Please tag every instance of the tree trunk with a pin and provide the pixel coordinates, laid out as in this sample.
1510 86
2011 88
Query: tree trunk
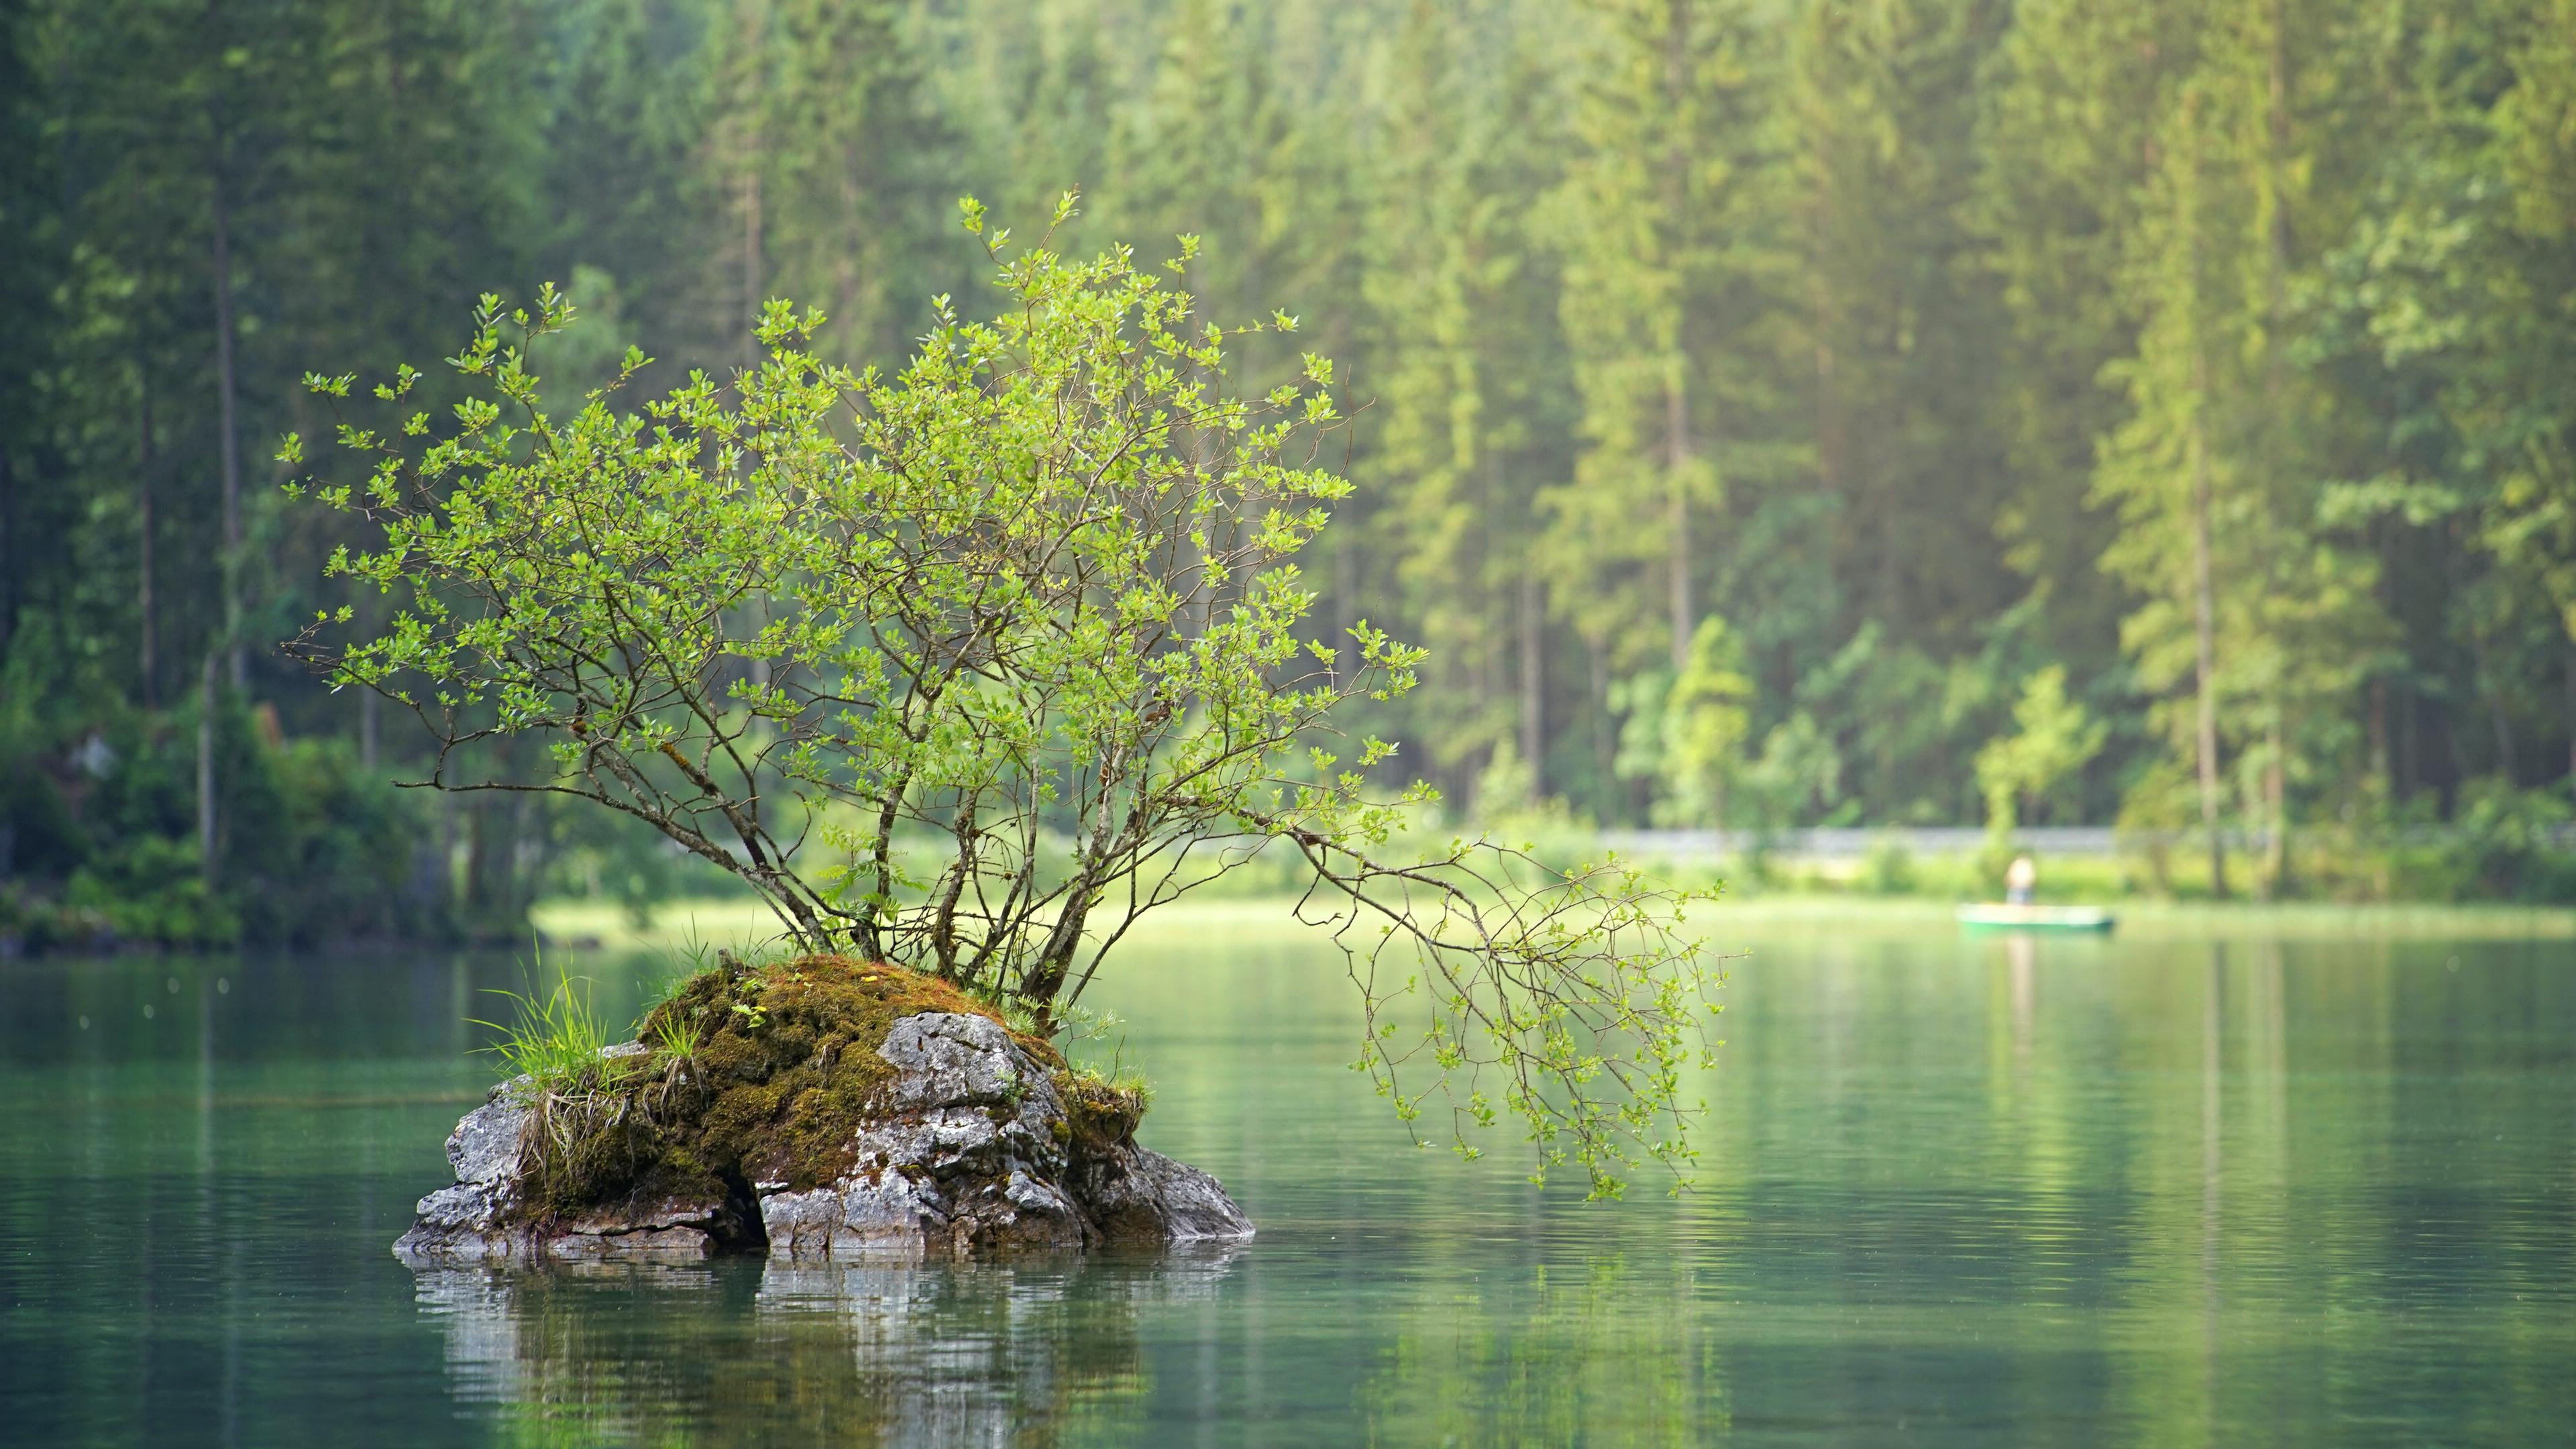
228 424
747 100
2204 592
1677 459
2383 764
8 550
447 835
2571 712
147 637
2491 694
1677 443
1534 683
2276 806
206 767
1346 584
2507 766
1829 443
498 883
487 849
1605 740
1046 975
2278 117
751 278
2205 633
2410 739
2276 321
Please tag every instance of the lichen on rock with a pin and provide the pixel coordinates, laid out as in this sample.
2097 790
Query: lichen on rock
824 1108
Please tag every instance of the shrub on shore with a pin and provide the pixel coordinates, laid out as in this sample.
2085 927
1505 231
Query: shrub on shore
100 844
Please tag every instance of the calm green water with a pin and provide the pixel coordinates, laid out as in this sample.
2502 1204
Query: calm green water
1955 1191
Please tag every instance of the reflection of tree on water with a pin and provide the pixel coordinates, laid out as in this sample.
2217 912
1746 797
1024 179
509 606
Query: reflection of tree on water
744 1353
1609 1354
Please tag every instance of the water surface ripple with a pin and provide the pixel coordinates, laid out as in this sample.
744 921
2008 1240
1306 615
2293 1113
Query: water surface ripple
1952 1191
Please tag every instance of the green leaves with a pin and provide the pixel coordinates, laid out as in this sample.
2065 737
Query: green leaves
1572 993
2054 739
975 599
966 665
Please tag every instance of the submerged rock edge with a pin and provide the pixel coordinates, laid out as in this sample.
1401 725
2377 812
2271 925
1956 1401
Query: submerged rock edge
971 1153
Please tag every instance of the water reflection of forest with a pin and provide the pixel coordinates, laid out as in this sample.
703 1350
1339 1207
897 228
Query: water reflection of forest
741 1353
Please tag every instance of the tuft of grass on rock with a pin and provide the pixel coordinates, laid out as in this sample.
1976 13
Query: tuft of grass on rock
553 1039
589 1106
1103 1110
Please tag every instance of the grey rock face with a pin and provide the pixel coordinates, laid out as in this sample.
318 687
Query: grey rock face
966 1158
973 1152
478 1220
949 1059
484 1148
470 1222
1138 1193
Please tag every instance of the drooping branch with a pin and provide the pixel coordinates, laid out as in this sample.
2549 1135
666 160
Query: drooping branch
1579 988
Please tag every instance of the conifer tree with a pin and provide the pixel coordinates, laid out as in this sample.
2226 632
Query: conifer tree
1671 282
1468 421
1901 323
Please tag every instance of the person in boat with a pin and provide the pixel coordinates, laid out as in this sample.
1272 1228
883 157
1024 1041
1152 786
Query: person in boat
2021 881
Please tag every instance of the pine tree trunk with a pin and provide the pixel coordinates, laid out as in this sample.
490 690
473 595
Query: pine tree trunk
206 766
1605 742
749 100
2383 764
1534 683
228 426
8 550
2410 740
147 638
2276 866
480 910
2278 117
2205 636
1346 583
1677 443
2571 712
751 278
1829 443
2204 592
2276 804
1677 459
2275 351
2499 723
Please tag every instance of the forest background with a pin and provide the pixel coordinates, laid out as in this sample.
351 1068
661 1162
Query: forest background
1778 412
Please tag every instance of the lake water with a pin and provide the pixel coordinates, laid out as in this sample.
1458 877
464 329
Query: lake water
1954 1190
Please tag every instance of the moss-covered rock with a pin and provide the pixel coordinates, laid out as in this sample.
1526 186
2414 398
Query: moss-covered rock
822 1107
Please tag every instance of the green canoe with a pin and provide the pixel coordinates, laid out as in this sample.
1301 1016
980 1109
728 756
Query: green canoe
2035 918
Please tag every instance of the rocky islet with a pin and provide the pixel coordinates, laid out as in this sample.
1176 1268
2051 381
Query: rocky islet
830 1111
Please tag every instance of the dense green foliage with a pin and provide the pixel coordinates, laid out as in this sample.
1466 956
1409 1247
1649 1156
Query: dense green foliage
1047 580
1754 401
313 848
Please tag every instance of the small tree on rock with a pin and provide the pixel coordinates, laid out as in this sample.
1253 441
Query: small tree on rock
969 665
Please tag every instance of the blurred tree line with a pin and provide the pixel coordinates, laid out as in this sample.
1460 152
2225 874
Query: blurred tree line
1780 411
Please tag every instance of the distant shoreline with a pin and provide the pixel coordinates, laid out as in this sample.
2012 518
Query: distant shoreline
578 924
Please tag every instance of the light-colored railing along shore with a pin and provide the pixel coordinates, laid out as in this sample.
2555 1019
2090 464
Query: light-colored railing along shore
1850 842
